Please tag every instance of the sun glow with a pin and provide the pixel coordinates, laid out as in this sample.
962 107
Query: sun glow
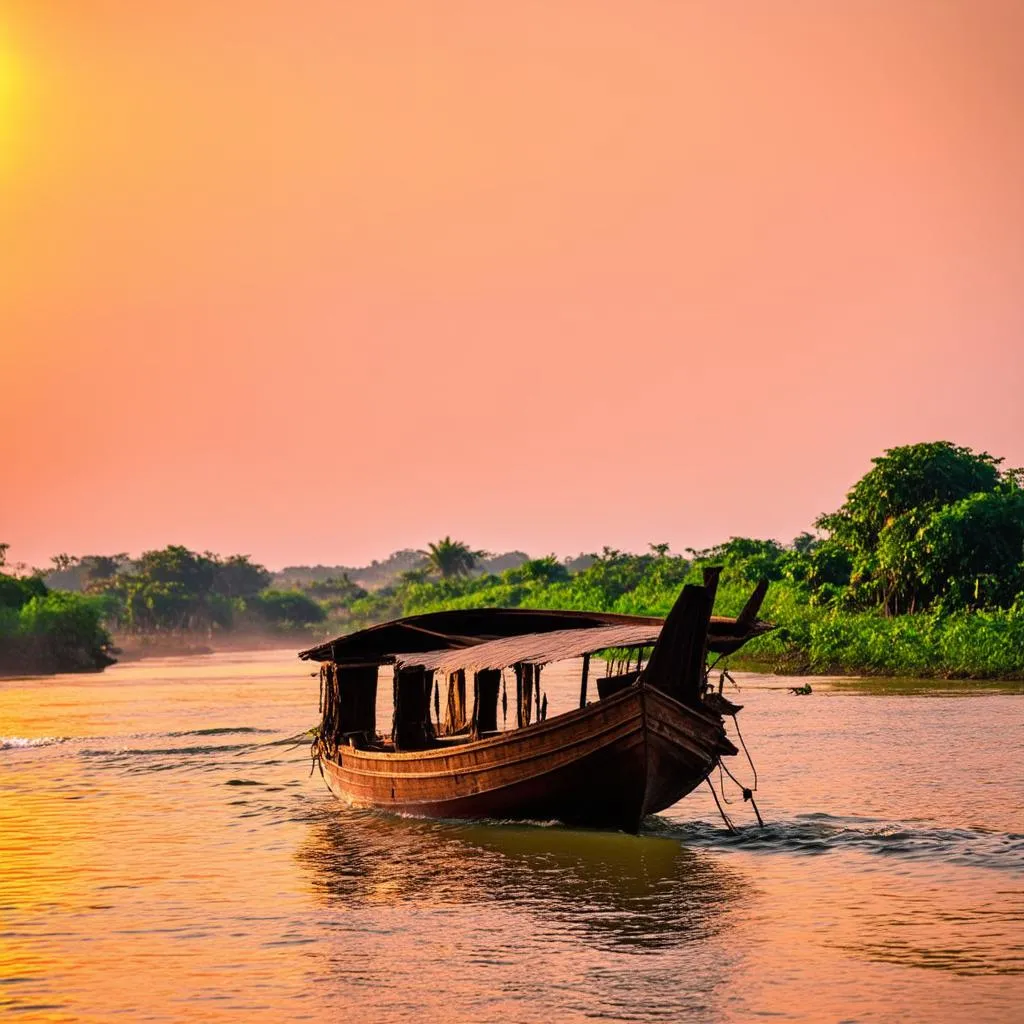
12 83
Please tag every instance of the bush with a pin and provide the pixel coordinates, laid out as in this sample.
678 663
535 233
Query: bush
286 608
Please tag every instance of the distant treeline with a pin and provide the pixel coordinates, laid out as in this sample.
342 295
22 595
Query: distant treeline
919 572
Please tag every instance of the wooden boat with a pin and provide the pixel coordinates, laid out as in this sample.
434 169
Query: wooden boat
653 734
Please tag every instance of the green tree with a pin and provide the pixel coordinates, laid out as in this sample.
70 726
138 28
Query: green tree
284 608
49 631
537 570
339 590
99 570
17 591
451 558
880 523
173 589
971 554
71 630
237 576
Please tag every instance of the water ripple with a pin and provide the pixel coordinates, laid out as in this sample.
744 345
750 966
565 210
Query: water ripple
823 833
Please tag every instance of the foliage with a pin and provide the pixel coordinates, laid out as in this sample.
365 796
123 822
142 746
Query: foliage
17 591
450 557
237 576
971 554
815 632
286 608
49 631
921 571
900 557
175 589
340 590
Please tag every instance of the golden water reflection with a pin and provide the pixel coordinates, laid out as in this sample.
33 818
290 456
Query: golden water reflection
616 891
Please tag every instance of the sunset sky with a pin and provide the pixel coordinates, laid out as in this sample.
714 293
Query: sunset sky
317 281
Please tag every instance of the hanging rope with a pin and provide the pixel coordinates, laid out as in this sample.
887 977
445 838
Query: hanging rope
743 744
504 702
721 810
747 791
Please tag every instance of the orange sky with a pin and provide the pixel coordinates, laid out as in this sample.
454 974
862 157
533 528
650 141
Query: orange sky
316 281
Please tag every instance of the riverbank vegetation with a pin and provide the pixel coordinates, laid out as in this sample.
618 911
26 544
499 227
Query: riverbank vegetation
43 630
919 572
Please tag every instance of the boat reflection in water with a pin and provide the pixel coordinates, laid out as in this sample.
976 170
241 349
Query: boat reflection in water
613 891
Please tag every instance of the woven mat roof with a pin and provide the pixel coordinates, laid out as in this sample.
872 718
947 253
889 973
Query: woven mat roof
531 648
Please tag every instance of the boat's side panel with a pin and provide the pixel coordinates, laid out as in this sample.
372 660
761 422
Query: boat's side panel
551 769
602 765
682 749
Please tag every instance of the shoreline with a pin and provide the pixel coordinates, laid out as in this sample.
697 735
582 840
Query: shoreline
133 649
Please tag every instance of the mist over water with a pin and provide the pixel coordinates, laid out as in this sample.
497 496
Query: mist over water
165 854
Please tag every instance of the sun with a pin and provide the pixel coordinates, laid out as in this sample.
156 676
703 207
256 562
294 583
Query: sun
12 81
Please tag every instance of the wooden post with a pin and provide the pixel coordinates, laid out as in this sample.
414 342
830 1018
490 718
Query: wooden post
583 681
527 694
519 695
474 721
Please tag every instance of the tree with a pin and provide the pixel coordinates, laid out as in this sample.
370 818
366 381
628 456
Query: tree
237 576
881 524
971 553
912 480
746 558
98 570
537 570
4 548
804 543
451 558
339 590
285 608
173 589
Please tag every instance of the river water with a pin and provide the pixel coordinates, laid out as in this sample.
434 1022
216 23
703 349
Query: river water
165 855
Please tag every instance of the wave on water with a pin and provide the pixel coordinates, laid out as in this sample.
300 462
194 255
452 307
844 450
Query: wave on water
825 833
226 730
22 743
123 752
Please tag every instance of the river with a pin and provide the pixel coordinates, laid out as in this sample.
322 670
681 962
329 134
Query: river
166 855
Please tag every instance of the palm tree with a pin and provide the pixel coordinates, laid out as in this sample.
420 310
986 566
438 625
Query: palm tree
451 558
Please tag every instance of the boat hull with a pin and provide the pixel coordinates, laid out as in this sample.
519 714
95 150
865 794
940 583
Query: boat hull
604 766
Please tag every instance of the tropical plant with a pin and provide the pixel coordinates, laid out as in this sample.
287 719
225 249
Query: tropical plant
449 557
49 631
283 608
887 513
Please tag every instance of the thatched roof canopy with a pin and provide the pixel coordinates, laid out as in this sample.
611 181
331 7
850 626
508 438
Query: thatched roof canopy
532 648
436 633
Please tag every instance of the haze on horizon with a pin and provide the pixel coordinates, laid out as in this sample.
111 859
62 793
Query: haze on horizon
316 284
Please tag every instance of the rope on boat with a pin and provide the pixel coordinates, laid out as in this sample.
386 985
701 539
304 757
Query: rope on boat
316 754
721 810
747 791
504 702
743 744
